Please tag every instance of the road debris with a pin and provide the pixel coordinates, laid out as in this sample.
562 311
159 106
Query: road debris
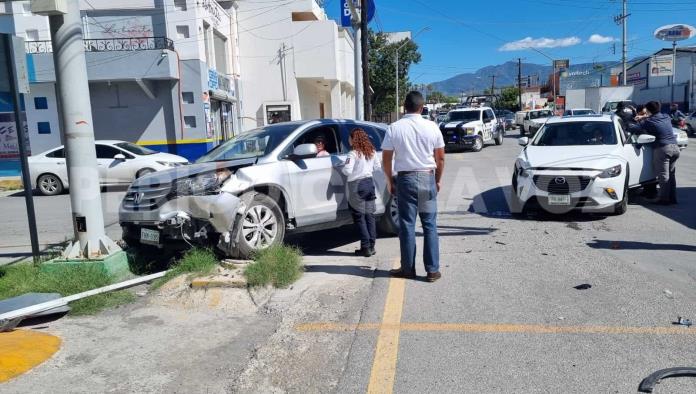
500 243
668 294
648 384
683 322
584 286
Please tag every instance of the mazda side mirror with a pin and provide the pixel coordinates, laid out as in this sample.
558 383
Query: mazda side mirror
644 139
304 151
120 157
523 141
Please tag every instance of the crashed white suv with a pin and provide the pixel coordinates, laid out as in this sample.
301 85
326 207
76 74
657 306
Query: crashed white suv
247 193
586 163
472 128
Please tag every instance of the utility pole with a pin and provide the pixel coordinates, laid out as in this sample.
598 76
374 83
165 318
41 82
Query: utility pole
357 51
493 84
364 35
623 20
78 133
519 80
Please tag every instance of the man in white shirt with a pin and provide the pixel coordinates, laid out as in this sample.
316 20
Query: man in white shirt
416 149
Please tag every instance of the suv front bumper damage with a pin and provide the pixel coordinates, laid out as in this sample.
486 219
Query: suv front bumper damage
187 218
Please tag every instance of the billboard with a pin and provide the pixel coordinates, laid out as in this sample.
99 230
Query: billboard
662 66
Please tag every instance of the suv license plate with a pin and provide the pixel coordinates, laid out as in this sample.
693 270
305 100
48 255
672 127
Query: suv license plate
150 237
555 199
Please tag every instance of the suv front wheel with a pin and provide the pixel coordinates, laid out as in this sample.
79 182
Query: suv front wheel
262 225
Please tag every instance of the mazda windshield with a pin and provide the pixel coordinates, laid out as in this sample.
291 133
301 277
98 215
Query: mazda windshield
256 143
577 133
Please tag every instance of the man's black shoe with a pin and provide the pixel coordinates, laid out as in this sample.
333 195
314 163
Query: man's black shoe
433 276
399 273
372 251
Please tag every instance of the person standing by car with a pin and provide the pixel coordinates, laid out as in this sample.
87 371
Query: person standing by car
416 149
665 151
626 114
677 116
358 167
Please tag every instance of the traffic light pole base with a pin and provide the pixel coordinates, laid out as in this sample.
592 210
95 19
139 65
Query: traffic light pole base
115 264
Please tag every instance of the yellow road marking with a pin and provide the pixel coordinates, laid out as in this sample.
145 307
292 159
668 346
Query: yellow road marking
493 328
22 350
387 350
215 298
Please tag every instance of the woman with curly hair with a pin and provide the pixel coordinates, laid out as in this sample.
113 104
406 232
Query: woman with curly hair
358 167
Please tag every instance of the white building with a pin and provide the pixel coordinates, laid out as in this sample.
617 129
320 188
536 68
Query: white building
297 63
162 73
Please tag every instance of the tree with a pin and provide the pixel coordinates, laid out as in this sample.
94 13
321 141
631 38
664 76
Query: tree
509 98
383 70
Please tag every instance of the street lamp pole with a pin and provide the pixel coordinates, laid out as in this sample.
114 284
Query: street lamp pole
397 66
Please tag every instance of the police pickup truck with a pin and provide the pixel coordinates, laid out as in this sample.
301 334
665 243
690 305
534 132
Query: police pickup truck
472 128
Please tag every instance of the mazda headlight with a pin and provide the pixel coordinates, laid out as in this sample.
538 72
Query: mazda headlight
612 172
202 184
523 168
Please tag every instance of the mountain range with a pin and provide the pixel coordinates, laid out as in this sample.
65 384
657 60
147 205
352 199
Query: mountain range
506 75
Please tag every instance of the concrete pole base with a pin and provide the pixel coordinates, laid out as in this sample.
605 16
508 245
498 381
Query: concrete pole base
114 264
103 248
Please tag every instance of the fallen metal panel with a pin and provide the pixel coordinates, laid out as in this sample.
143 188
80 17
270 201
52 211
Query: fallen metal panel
648 384
29 299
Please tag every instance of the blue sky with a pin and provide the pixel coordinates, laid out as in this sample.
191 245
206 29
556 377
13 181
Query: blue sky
466 35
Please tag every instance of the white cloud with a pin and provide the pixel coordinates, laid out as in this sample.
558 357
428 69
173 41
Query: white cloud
600 39
543 42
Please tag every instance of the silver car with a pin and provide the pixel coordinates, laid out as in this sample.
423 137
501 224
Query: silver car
248 193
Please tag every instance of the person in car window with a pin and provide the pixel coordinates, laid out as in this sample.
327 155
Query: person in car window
320 142
358 167
665 151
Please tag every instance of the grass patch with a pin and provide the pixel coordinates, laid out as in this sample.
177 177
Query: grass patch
278 265
19 279
195 261
7 185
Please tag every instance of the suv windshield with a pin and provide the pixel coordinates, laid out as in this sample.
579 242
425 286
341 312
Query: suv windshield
255 143
468 116
135 149
577 133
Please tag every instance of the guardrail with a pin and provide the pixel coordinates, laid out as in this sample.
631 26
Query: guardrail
108 44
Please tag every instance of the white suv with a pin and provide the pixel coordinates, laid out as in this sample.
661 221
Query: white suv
472 128
586 163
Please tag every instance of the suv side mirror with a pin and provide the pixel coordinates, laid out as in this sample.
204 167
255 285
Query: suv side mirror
644 139
524 141
304 151
120 157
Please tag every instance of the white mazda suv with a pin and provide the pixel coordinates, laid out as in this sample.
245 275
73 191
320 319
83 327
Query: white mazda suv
586 163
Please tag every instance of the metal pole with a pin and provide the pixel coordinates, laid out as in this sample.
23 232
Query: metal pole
357 51
674 69
519 80
22 143
78 134
367 105
397 84
625 46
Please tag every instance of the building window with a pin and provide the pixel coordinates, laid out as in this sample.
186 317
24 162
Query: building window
32 35
40 103
44 127
180 5
182 32
187 97
190 122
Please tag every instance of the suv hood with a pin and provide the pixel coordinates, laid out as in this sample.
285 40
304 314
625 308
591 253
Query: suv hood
456 124
597 157
168 176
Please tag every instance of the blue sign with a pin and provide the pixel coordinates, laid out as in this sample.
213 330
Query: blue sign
212 79
346 20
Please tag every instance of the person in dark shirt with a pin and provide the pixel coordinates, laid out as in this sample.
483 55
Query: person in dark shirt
665 151
626 114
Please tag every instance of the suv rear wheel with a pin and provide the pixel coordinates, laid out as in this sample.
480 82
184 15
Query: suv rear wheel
262 225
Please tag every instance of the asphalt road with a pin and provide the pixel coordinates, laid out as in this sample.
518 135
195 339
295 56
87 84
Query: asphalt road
504 318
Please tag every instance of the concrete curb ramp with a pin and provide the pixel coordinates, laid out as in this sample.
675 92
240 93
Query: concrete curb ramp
22 350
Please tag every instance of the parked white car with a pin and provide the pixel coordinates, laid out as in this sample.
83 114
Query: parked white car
119 163
586 163
533 120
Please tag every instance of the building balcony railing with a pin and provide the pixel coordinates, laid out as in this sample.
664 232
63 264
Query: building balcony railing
108 44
